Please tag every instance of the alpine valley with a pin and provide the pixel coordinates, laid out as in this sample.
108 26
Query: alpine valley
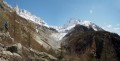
30 38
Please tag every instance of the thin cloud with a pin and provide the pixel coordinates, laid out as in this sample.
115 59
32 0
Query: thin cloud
118 24
111 28
116 28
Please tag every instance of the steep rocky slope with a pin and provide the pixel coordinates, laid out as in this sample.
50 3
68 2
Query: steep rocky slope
90 45
24 39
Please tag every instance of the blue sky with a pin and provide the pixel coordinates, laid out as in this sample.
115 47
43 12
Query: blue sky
104 13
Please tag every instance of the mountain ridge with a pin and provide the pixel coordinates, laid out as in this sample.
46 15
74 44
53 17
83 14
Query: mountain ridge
69 25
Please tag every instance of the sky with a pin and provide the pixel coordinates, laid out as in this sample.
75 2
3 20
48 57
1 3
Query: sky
104 13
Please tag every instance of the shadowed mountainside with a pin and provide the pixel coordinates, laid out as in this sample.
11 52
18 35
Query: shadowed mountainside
91 45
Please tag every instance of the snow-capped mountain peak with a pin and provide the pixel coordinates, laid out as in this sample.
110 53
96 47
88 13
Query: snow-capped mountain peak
27 15
85 23
65 28
69 25
73 22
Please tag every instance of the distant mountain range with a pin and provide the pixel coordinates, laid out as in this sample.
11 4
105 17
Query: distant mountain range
69 25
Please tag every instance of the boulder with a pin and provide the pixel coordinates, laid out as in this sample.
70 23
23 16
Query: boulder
16 48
